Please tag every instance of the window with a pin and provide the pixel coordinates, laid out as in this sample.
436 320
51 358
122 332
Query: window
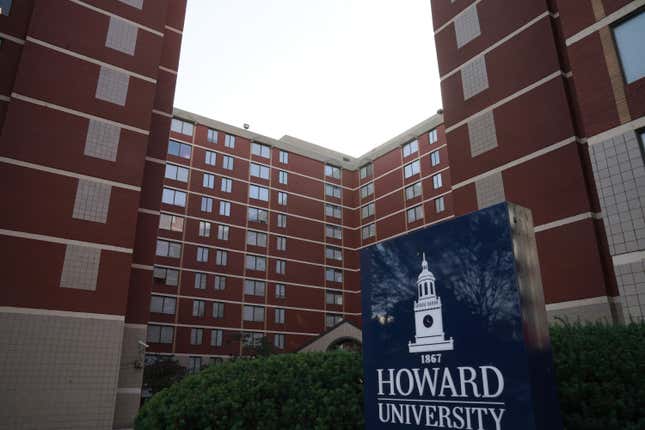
259 193
332 171
282 198
332 191
207 204
332 319
225 208
201 280
261 150
208 181
179 149
252 339
367 210
629 35
334 298
367 190
284 157
212 135
5 8
171 222
281 243
254 262
176 173
413 191
278 341
229 141
283 177
221 257
415 214
169 276
258 215
163 305
432 136
259 171
333 253
198 309
254 288
168 249
280 267
411 169
256 238
282 220
279 316
227 162
160 334
218 310
216 337
280 291
333 275
366 170
196 335
439 205
227 185
368 231
202 254
410 148
222 232
434 158
220 283
210 158
253 313
333 231
436 181
183 127
332 211
173 197
194 364
204 229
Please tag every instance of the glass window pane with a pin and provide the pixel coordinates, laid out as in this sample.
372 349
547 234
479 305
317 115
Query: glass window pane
629 37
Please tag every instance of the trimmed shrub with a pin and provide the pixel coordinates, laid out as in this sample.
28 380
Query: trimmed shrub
294 391
600 371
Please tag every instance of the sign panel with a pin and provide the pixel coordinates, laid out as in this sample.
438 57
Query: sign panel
454 327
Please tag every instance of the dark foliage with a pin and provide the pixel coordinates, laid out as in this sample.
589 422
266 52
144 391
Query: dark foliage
600 371
294 391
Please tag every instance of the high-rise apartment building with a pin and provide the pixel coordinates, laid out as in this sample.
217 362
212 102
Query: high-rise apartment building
543 105
259 238
86 95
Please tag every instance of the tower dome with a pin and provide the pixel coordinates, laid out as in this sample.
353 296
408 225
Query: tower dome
425 274
425 281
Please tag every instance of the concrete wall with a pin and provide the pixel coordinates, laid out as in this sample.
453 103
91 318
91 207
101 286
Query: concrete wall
59 370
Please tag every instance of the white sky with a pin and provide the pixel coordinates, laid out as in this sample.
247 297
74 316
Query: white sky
344 74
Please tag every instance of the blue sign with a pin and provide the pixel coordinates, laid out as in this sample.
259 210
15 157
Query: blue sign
452 332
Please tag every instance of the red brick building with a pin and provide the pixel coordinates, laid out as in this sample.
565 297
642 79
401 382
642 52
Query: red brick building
530 89
262 236
86 96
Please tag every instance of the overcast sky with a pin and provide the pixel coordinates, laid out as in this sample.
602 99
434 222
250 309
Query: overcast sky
345 74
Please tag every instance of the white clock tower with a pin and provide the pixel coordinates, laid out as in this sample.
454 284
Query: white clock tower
428 320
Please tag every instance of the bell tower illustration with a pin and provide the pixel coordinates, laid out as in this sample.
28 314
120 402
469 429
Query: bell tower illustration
428 320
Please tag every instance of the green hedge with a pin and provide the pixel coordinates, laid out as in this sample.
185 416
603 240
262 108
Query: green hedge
288 391
600 372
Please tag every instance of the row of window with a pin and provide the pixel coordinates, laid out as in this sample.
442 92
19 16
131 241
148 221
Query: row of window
179 198
412 215
170 277
412 191
173 250
165 334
